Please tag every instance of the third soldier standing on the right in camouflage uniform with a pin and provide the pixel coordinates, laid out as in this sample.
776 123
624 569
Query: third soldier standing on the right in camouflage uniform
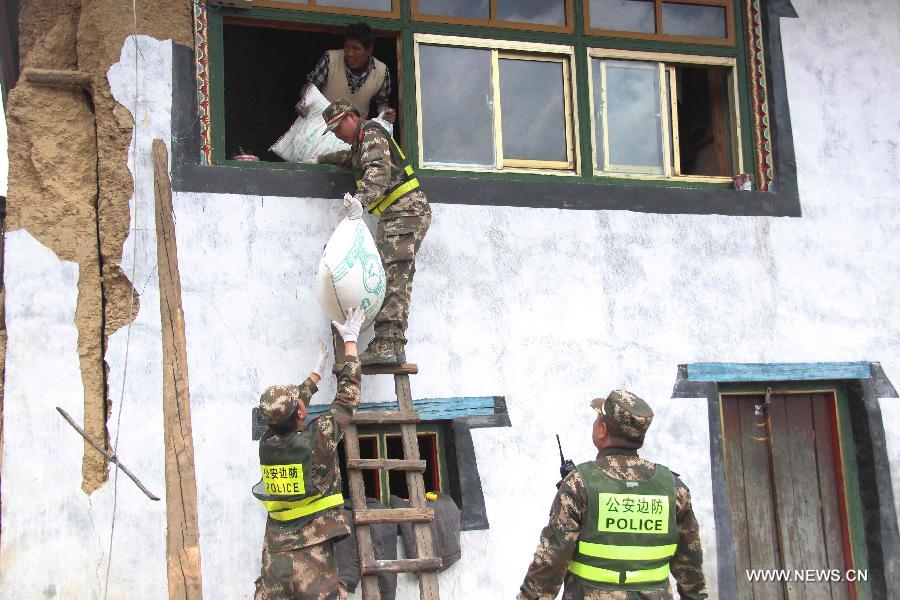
619 523
388 189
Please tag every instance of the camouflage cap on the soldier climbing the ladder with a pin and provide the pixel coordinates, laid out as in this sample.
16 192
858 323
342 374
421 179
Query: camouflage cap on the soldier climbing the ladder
336 111
625 414
278 403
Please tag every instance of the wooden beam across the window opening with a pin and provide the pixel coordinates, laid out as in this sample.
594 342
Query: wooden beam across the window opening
314 6
658 34
492 21
668 100
515 50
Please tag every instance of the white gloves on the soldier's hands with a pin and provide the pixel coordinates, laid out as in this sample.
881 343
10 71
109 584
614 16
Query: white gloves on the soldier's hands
323 360
350 329
352 207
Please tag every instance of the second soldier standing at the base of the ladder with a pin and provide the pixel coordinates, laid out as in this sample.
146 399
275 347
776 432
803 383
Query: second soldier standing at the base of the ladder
619 524
387 188
301 481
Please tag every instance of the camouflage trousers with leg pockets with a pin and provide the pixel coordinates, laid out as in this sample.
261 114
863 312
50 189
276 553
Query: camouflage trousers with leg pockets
309 573
575 590
399 235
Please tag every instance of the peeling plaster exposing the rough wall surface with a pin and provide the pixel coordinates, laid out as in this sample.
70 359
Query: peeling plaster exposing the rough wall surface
69 184
53 194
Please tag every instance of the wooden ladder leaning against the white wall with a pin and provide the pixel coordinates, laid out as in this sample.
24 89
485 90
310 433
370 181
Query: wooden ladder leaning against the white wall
425 565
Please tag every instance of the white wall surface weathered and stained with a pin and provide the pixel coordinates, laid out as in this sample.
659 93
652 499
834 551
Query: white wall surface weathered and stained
687 421
546 307
45 516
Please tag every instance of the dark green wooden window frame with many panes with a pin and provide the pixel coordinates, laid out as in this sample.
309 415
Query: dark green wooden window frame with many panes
602 84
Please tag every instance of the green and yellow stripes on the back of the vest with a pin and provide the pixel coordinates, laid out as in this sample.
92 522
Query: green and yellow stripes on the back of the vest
615 552
288 510
622 565
601 575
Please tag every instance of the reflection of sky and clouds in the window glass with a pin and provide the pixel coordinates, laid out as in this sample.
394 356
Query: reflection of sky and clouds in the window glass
694 20
364 4
544 12
623 15
533 111
457 105
469 9
633 117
